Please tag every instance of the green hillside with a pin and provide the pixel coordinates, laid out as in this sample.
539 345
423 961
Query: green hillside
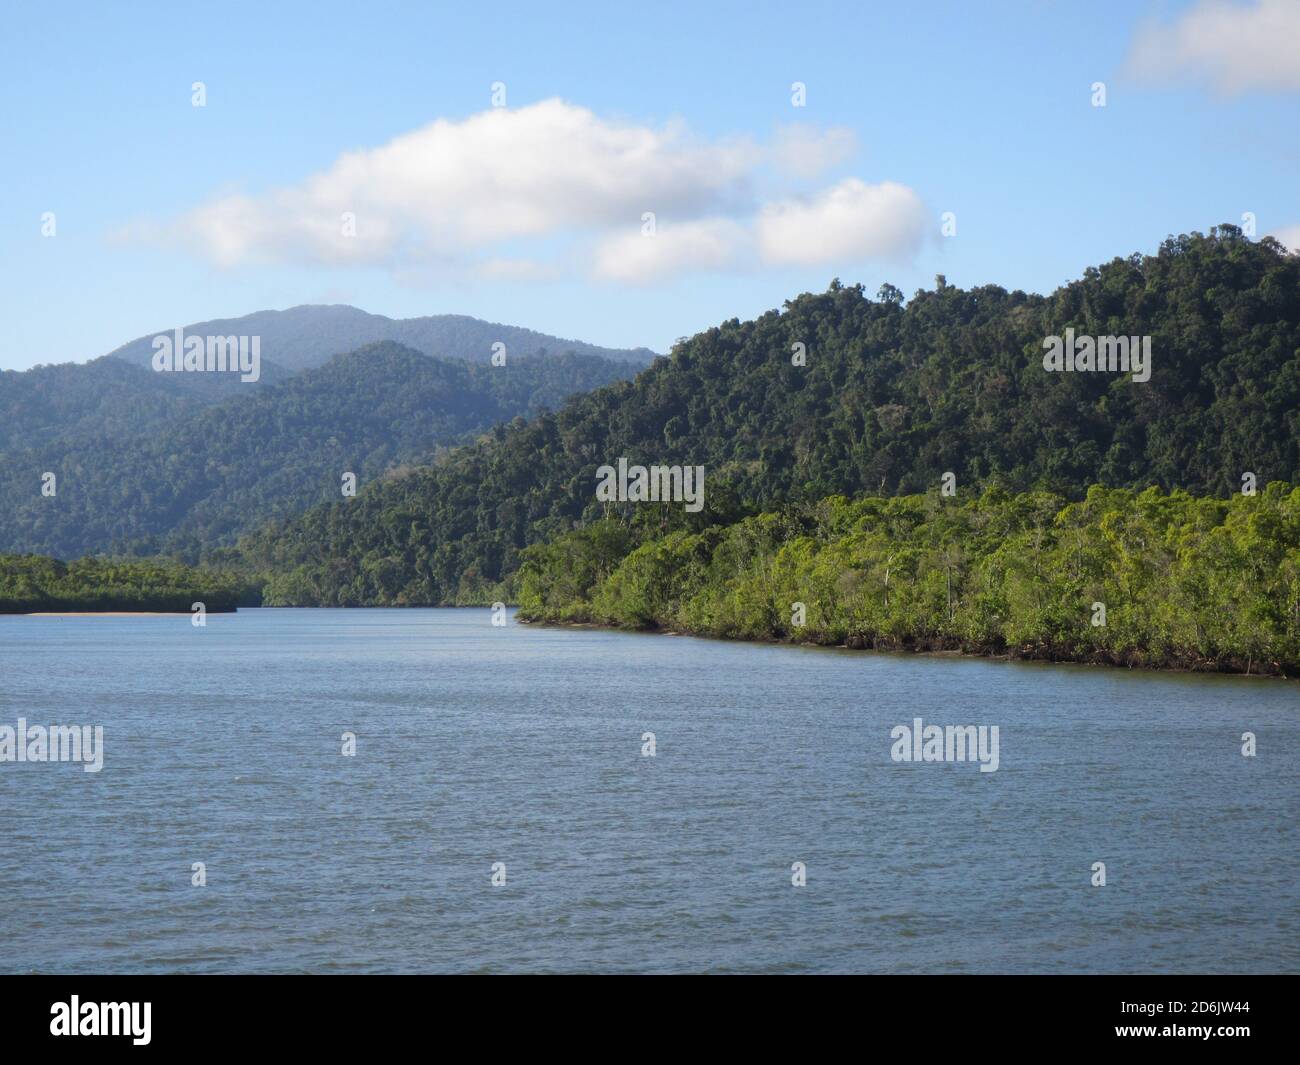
893 396
194 481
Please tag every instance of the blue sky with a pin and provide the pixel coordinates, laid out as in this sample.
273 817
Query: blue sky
167 213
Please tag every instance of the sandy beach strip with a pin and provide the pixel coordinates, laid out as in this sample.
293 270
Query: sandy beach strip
104 614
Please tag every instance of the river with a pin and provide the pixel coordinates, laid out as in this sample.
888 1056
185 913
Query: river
517 754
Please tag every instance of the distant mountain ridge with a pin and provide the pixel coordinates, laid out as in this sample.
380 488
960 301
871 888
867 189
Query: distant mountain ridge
309 335
119 395
200 473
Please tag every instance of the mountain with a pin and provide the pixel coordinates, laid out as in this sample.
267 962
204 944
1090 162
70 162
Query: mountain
891 398
72 400
120 394
199 478
304 337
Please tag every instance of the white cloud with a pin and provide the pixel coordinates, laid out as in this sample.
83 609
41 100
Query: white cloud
1290 236
457 185
846 223
532 193
1235 47
712 244
805 151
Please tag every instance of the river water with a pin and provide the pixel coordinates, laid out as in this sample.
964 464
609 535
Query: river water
521 748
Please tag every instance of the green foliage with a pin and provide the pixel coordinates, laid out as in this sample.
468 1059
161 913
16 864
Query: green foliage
30 583
196 481
1199 583
102 399
892 397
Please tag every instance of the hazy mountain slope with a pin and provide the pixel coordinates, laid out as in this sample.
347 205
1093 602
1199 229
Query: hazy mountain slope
307 336
891 398
104 397
71 400
209 474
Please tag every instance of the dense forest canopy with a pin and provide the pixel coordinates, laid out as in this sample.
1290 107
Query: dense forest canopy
892 397
1120 577
32 584
77 401
209 472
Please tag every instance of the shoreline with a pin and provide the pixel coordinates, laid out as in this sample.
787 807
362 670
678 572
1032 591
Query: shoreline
1134 661
103 614
109 613
929 646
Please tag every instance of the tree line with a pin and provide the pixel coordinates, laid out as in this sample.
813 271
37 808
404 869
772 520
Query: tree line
1146 578
32 583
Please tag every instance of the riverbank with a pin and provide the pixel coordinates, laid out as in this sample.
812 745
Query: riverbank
110 613
939 647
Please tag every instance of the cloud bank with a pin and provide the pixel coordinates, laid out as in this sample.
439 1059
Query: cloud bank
1234 47
527 194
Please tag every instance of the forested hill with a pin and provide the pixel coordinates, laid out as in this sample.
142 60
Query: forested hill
892 397
101 397
303 337
120 394
212 472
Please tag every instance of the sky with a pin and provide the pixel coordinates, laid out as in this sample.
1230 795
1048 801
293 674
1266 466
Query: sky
621 174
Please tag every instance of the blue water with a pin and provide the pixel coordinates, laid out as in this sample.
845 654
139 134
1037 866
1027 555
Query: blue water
522 745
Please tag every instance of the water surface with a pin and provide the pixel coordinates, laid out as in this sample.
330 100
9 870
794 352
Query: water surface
522 745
